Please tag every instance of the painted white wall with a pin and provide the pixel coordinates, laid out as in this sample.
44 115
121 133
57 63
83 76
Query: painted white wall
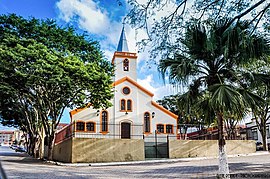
252 124
141 103
120 73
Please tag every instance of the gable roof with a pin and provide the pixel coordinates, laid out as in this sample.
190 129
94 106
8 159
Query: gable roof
164 110
134 83
77 110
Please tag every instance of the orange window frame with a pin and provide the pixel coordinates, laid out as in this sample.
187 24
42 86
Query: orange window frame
92 123
144 125
166 129
163 125
129 110
101 123
76 130
125 106
123 90
126 65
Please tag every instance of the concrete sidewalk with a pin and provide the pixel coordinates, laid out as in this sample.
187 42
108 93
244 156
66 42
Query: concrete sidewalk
151 161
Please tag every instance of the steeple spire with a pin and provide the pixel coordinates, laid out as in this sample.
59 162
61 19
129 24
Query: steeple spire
122 44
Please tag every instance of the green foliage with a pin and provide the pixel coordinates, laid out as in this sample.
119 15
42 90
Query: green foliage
44 69
212 63
165 21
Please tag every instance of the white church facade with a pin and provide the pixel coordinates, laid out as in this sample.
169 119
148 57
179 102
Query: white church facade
133 114
133 129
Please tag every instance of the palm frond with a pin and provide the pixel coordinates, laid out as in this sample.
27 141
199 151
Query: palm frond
179 69
251 99
225 98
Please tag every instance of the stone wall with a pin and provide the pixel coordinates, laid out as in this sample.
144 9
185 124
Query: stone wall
208 148
85 150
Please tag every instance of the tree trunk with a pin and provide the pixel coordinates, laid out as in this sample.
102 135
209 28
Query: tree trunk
223 161
263 133
50 147
31 145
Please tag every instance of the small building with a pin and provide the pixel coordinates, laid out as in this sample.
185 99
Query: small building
253 132
211 133
6 137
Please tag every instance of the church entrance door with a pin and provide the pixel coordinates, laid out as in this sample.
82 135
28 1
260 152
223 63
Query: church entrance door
125 130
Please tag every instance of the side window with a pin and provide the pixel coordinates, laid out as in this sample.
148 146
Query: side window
104 121
123 105
129 105
126 65
90 126
169 128
80 126
146 122
254 134
160 128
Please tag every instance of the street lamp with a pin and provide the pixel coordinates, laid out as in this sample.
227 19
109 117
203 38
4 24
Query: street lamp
153 114
97 112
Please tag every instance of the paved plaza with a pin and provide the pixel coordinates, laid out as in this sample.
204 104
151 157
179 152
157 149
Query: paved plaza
20 165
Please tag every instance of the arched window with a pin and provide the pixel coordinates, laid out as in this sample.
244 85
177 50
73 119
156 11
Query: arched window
123 105
104 121
90 126
160 128
147 122
126 65
129 105
80 126
169 128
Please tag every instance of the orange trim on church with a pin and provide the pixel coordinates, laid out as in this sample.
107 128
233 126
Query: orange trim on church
134 83
77 110
124 55
164 110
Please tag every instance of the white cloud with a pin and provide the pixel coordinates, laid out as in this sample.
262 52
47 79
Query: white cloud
146 83
89 16
159 90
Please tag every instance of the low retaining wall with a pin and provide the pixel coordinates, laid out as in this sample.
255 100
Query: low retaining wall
85 150
208 148
63 151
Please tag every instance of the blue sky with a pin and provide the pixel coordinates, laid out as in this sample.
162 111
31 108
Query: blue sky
102 20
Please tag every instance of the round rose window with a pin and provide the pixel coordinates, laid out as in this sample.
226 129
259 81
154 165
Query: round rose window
126 90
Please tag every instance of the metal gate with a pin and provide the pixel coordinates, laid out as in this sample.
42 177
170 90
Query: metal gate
156 146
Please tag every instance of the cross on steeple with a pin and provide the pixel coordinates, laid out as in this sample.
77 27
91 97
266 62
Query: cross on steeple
124 22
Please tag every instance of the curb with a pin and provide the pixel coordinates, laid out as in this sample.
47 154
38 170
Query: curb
149 161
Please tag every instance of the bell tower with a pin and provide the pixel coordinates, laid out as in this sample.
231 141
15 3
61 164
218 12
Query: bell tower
124 61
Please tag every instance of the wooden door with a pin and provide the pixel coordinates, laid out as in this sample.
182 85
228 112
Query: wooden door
125 130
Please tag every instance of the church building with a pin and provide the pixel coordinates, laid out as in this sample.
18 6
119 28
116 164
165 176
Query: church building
134 113
133 129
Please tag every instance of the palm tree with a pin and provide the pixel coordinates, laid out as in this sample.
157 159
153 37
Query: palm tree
211 62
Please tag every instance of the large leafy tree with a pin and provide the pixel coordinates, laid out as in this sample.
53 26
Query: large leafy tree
164 20
211 60
261 112
45 69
